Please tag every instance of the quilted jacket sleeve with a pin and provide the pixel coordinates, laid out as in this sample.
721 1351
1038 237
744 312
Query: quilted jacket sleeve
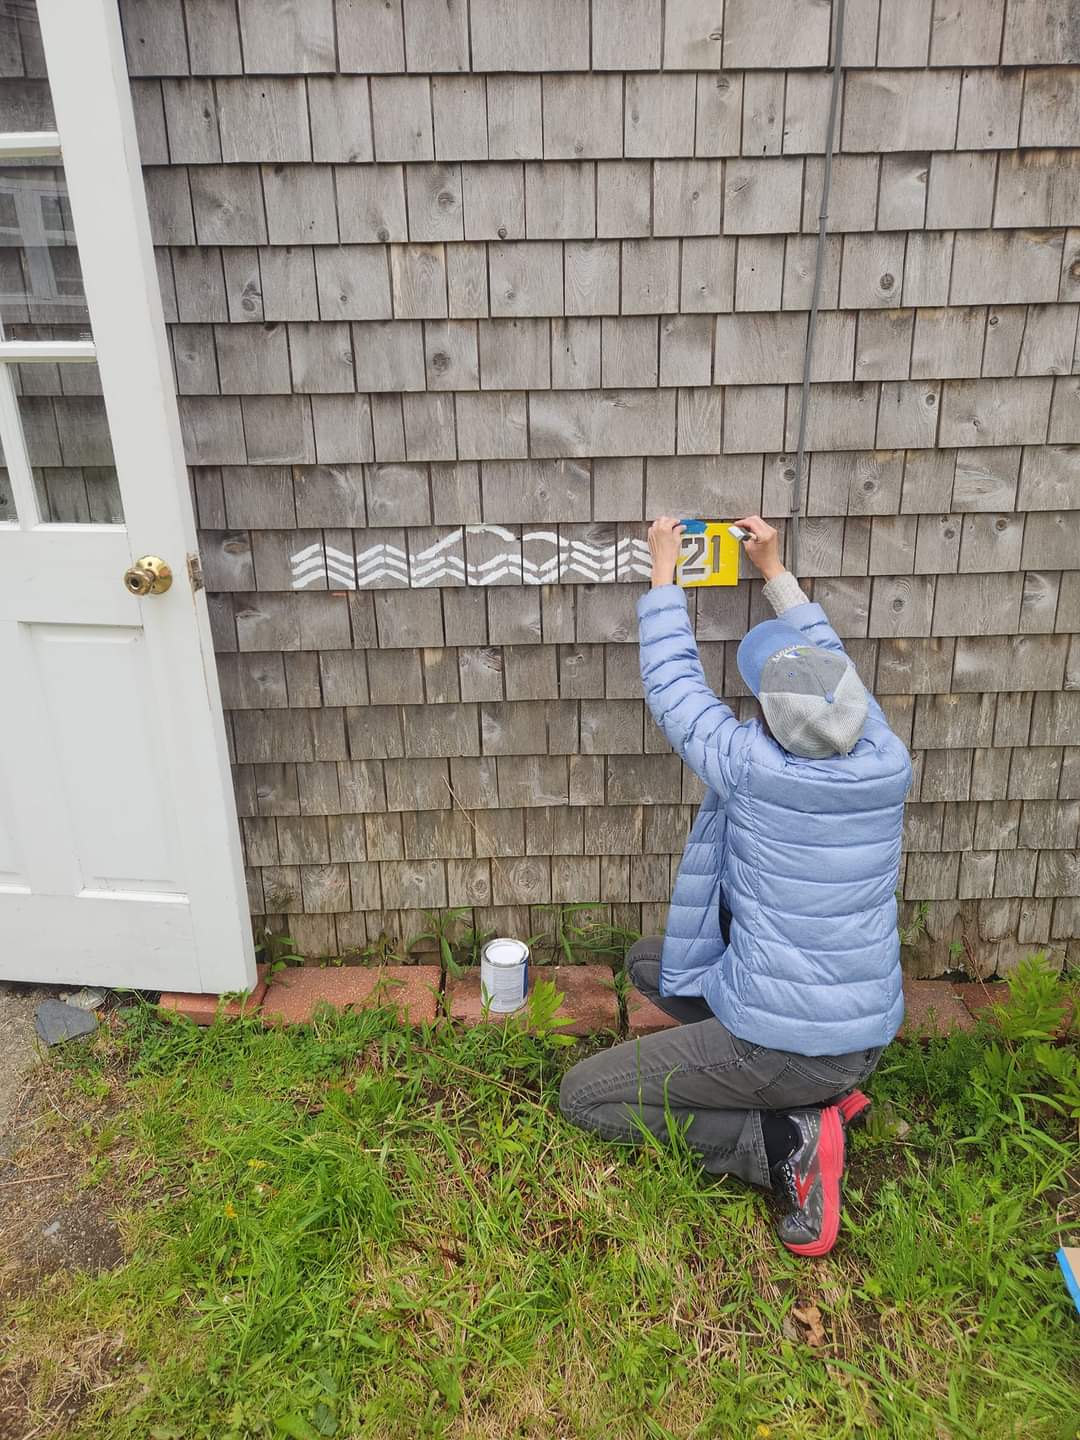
698 725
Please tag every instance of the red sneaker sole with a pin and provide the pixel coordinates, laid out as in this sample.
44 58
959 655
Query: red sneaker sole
853 1106
831 1159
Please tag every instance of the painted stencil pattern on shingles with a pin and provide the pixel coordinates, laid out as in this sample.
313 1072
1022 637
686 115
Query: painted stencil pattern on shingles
322 564
474 555
382 566
439 563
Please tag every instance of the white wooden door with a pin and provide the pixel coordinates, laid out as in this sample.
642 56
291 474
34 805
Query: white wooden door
119 848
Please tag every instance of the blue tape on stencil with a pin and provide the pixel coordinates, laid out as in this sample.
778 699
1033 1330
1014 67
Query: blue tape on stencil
1072 1280
693 527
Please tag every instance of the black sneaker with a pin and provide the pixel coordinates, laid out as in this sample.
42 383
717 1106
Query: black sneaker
811 1180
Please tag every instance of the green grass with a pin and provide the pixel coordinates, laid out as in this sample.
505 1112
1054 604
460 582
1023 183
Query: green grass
352 1229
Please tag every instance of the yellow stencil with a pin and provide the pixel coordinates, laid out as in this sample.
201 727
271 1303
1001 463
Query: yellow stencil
709 556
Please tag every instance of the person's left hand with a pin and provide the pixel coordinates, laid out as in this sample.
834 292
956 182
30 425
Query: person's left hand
665 541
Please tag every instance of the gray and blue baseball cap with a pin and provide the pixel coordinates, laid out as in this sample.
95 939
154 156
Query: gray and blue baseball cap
812 698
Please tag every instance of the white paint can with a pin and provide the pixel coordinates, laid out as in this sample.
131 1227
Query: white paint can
504 975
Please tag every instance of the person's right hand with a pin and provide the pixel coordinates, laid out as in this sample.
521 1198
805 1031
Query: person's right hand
764 548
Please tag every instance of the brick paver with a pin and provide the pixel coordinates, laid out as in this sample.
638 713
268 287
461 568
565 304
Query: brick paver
588 991
203 1008
295 994
932 1007
465 1003
977 999
590 997
645 1018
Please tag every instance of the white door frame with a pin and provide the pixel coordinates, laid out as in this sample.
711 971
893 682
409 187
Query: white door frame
95 137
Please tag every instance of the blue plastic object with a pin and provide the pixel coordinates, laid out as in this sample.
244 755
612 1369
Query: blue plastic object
1067 1259
693 527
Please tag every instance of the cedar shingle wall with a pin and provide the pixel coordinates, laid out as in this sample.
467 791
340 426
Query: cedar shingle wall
459 297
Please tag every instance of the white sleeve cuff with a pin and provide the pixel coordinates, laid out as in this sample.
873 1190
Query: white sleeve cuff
784 592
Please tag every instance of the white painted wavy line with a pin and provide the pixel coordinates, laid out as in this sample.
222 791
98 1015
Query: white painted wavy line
497 576
493 576
308 550
549 536
577 547
391 555
481 565
341 580
342 556
376 575
480 575
452 560
390 552
380 571
306 577
549 575
312 560
365 576
591 572
499 530
594 577
438 571
435 578
574 557
446 543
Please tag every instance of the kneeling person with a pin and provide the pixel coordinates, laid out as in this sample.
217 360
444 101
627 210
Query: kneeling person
781 958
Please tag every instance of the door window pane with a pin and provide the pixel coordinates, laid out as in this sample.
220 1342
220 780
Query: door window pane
61 413
40 279
25 102
74 495
67 440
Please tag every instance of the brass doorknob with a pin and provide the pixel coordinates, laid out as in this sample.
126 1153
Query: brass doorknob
148 576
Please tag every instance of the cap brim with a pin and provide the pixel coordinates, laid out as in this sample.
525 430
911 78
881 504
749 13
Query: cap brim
760 644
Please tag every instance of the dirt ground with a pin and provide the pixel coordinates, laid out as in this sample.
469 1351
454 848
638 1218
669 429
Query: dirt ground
49 1220
18 1051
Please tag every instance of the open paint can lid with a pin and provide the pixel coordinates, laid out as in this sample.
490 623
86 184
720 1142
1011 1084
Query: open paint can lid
506 952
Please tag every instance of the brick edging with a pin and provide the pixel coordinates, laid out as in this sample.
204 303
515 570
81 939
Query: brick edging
590 1001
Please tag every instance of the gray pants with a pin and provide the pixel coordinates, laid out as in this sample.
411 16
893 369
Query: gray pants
714 1084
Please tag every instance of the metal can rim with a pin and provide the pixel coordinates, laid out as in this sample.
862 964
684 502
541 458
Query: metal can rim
519 958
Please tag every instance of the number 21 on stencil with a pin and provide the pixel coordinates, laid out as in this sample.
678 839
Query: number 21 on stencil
709 555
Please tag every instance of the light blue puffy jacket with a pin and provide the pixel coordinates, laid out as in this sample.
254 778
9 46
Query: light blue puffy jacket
804 853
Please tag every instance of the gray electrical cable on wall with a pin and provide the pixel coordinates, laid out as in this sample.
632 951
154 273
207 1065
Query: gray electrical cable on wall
815 298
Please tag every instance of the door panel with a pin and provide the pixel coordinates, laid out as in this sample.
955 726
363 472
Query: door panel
121 821
12 868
